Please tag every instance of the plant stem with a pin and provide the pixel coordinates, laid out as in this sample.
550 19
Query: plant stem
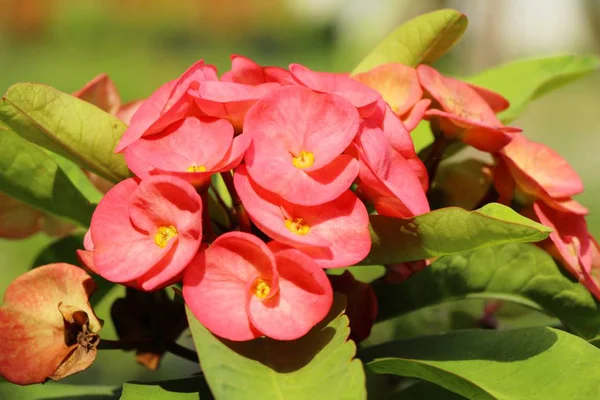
208 235
183 352
222 203
173 348
435 157
240 211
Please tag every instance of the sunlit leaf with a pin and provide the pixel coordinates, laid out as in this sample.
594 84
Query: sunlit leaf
447 231
67 126
319 365
525 80
421 40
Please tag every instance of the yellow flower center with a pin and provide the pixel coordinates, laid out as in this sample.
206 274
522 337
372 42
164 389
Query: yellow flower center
297 226
261 288
196 168
164 234
305 160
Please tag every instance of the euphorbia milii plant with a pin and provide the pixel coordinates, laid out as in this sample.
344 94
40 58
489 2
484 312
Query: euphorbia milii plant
280 215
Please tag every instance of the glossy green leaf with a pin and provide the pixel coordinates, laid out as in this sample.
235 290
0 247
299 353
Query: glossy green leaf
192 388
422 391
525 80
447 231
44 180
516 272
55 390
67 126
526 363
421 40
318 366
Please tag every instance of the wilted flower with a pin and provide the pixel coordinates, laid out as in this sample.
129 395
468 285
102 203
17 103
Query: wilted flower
48 328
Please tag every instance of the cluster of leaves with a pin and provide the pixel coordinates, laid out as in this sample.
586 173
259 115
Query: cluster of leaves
46 137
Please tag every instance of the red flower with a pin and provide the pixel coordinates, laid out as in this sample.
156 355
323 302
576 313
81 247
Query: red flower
239 289
399 86
543 182
298 137
145 232
192 149
169 104
334 234
48 328
365 99
246 71
464 113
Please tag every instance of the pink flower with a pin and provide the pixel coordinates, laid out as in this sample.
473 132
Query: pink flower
170 103
399 86
298 137
238 90
538 171
394 184
592 280
569 236
365 99
102 92
145 231
464 113
48 328
230 100
246 71
334 234
192 149
239 289
543 182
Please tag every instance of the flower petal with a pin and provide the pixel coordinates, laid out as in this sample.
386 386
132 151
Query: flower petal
303 300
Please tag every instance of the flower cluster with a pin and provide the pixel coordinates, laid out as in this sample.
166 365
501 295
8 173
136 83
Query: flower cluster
296 142
541 184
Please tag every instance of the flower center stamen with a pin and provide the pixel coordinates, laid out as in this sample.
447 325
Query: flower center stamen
261 288
196 168
297 226
305 160
164 234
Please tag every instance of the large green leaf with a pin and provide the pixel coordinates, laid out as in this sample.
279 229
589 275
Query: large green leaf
319 365
420 40
44 180
192 388
523 81
54 390
447 231
517 272
526 363
67 126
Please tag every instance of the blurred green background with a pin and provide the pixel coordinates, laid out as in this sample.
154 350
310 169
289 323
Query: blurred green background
143 43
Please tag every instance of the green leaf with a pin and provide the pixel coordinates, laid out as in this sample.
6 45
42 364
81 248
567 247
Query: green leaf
516 272
54 390
319 365
447 231
67 126
526 363
424 390
420 40
525 80
44 180
192 388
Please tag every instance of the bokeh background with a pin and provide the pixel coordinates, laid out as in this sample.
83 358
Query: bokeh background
143 43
